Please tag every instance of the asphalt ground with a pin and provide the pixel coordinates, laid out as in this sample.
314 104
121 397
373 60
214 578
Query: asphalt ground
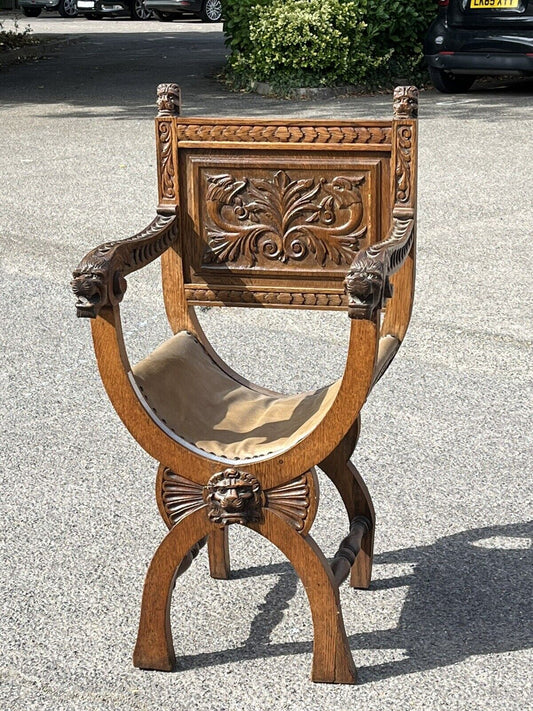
446 439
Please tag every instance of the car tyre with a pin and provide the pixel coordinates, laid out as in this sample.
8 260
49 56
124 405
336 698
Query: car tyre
165 16
68 8
449 83
31 11
139 11
211 11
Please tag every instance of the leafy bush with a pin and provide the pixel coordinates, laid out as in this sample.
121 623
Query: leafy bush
325 42
238 17
400 26
304 42
15 38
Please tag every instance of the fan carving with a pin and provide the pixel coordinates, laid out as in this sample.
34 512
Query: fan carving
290 501
234 496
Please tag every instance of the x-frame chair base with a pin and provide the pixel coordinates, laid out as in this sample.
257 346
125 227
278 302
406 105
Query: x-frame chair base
332 659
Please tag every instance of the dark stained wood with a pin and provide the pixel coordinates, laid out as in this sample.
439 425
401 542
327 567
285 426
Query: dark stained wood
266 214
345 557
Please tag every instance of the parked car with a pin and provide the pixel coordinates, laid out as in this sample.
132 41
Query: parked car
168 10
470 38
96 9
33 8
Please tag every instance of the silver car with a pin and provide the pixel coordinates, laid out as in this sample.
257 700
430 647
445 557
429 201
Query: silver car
33 8
168 10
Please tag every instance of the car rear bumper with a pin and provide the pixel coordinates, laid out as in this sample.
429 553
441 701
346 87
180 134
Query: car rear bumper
483 51
101 6
482 63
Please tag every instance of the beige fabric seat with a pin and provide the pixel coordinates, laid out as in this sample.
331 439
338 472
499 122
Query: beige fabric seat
206 407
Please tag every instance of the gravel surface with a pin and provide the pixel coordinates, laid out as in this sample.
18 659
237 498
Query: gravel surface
446 438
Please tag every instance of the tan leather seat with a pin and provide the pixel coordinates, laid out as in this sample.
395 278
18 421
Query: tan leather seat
206 407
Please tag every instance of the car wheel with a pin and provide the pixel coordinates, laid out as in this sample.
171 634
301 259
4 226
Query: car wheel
31 11
449 83
68 8
165 16
211 11
139 11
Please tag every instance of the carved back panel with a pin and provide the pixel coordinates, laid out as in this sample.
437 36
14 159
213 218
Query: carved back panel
272 213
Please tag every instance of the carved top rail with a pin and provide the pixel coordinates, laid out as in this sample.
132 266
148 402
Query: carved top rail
293 132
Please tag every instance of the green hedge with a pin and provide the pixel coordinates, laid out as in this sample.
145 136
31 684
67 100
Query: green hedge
325 42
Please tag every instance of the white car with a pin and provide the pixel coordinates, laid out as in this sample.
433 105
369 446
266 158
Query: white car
96 9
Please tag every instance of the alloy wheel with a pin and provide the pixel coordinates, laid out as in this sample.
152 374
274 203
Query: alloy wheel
140 12
68 8
212 11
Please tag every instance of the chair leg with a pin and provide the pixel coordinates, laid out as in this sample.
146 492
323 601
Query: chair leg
218 550
332 658
154 648
358 502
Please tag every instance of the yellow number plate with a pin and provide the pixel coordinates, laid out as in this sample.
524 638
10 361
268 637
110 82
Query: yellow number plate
493 4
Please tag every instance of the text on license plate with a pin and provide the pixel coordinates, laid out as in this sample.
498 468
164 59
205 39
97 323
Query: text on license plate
493 4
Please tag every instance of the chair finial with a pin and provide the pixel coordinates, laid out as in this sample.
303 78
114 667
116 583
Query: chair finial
405 102
168 100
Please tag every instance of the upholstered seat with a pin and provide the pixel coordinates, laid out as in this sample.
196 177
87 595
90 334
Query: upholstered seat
203 405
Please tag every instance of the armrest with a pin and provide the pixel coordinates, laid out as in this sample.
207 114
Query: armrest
99 280
367 283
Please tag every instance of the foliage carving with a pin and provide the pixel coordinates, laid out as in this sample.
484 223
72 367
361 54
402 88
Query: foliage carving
254 221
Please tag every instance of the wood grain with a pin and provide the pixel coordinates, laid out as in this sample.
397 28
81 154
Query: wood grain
154 648
332 658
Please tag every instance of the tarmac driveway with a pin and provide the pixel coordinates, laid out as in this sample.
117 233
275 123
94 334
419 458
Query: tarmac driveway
446 438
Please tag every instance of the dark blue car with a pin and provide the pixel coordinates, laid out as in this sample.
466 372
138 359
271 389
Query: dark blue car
471 38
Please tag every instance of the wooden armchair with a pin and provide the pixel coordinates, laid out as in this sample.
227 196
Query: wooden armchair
269 214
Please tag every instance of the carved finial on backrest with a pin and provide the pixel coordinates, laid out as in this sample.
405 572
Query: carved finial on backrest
168 100
405 102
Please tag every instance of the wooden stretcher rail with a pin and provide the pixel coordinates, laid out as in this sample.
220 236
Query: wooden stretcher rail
349 548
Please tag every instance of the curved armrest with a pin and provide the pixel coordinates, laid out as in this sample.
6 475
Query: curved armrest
367 283
99 279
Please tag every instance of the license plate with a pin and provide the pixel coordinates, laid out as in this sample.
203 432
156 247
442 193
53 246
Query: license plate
493 4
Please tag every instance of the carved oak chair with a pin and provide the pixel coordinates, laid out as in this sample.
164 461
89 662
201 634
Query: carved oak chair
268 214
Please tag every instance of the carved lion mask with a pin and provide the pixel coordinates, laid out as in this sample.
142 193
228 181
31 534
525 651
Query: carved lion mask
405 102
233 496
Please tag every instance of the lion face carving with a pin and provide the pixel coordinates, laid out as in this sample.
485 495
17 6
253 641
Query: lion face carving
233 496
405 102
89 287
364 285
168 99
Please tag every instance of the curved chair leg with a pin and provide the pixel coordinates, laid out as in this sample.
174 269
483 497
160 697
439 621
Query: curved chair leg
358 502
154 648
218 550
332 658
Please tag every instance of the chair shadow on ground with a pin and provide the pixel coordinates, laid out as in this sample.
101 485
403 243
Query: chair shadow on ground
469 594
